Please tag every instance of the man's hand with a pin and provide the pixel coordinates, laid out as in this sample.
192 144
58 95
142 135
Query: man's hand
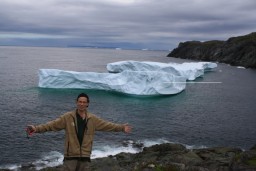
127 128
30 130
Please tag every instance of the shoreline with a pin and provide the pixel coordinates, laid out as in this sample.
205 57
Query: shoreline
169 156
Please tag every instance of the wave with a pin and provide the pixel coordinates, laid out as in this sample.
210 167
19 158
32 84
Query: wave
50 159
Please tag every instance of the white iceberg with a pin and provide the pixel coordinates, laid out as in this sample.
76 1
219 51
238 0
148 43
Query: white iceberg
189 70
128 82
129 77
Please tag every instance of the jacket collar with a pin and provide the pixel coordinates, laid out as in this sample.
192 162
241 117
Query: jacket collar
89 115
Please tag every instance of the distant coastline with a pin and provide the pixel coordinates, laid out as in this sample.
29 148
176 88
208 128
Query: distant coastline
88 47
237 51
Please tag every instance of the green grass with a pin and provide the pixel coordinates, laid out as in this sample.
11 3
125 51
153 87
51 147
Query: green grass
251 162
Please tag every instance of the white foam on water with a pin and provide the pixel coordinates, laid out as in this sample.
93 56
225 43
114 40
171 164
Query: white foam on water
14 167
111 150
241 67
129 148
50 159
148 143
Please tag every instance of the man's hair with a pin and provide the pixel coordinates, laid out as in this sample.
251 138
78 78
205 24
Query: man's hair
83 95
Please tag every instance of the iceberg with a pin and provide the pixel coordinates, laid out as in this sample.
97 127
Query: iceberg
129 77
189 70
128 82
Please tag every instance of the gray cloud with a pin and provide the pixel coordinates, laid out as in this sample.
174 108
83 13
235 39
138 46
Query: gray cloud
154 24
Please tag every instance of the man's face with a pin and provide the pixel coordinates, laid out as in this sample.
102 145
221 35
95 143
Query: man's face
82 103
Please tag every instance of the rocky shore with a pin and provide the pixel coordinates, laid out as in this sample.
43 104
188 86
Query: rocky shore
238 51
176 157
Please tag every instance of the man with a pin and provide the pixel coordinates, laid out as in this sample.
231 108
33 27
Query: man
80 127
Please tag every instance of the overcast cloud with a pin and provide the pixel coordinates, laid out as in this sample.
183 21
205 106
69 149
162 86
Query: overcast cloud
152 24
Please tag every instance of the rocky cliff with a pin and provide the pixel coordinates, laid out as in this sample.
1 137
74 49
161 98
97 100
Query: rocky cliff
174 157
238 51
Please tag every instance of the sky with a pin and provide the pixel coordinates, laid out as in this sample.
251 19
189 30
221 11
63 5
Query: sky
127 24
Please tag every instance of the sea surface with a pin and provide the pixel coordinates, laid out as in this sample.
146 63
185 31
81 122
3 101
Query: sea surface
221 112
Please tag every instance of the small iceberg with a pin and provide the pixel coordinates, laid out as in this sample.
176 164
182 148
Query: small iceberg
190 70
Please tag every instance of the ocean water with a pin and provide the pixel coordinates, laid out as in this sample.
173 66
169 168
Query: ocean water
204 115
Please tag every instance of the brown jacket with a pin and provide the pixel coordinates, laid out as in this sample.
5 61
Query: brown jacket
68 121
